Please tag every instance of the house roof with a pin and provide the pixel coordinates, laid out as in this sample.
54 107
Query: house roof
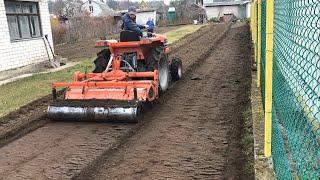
226 3
103 6
138 11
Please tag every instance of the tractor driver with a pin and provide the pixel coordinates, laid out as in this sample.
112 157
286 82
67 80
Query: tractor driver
129 21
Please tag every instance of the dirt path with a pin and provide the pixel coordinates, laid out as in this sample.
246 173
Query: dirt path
194 135
62 150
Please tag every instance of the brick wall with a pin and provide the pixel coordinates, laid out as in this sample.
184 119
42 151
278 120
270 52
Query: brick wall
14 54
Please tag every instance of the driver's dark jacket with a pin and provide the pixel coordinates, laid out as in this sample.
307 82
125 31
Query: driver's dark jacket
131 25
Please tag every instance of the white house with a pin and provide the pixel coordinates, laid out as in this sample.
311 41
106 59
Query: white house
143 15
241 9
22 27
97 8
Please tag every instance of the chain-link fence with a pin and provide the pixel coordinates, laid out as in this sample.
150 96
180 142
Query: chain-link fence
263 48
296 86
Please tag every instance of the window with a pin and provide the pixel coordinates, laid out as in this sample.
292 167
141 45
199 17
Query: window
23 19
91 9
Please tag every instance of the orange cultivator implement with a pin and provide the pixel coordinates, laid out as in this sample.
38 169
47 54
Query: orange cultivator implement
127 75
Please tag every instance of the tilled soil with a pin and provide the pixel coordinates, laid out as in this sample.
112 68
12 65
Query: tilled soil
194 132
197 133
32 115
24 120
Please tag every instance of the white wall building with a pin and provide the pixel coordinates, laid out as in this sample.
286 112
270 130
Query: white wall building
97 8
142 16
22 27
241 9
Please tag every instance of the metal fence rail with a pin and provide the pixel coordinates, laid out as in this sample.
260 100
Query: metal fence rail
294 93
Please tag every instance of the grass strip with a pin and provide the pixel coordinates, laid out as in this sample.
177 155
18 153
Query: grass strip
179 33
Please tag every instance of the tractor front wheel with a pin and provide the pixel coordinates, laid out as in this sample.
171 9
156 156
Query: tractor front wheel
101 61
176 69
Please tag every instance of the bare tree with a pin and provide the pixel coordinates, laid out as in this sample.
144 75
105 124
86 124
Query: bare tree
65 8
113 4
181 8
187 10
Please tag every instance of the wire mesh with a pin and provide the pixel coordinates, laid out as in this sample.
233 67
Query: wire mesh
296 87
280 157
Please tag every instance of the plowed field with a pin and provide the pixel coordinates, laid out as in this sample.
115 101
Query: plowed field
193 132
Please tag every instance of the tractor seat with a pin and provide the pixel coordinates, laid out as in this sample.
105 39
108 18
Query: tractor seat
126 36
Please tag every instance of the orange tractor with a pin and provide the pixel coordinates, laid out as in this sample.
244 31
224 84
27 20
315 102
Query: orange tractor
128 74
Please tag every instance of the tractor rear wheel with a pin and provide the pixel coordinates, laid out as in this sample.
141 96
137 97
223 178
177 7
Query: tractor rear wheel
158 60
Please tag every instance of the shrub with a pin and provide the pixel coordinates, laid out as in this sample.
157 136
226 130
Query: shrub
84 27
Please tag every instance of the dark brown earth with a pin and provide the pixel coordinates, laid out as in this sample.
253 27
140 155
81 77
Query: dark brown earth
32 115
193 135
24 120
194 132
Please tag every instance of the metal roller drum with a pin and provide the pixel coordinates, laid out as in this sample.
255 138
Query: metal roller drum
98 113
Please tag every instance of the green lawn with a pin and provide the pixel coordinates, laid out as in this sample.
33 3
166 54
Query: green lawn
179 33
20 92
16 94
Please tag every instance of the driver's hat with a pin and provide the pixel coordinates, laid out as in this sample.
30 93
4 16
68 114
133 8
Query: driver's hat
132 10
